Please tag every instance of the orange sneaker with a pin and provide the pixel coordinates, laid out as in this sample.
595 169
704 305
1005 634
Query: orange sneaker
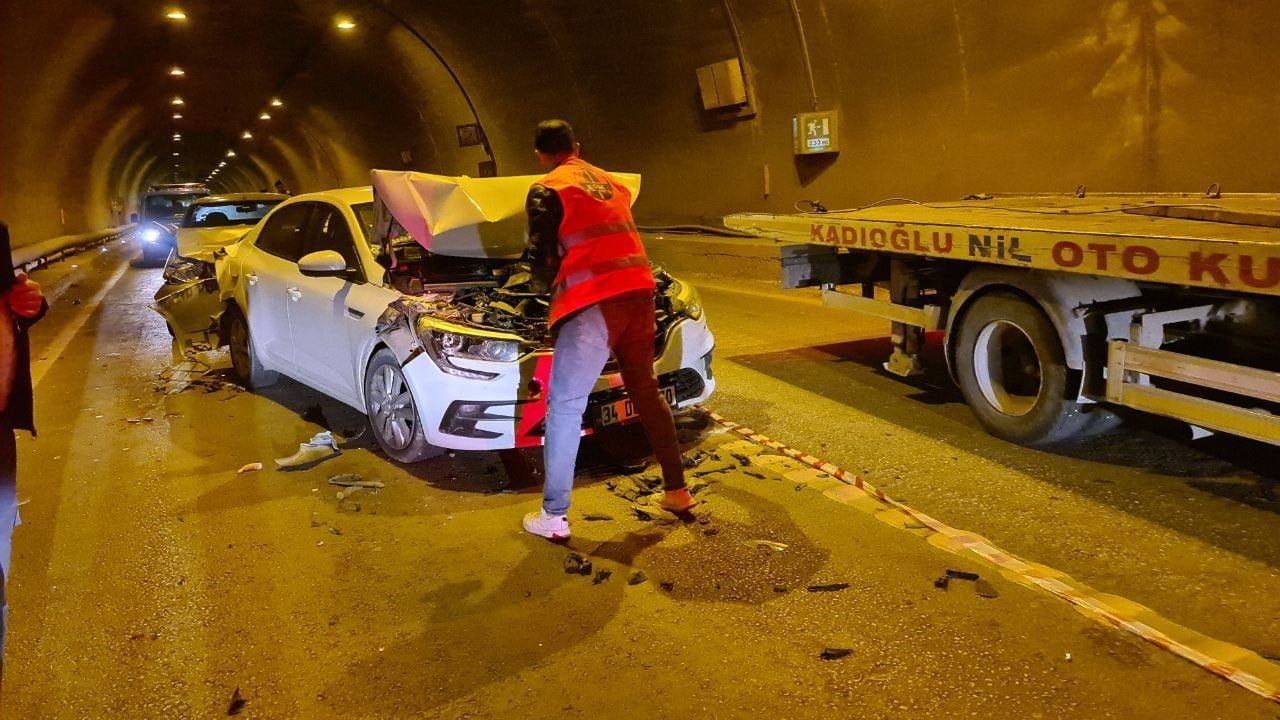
677 501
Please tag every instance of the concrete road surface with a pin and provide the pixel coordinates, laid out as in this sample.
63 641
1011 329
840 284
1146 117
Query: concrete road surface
152 581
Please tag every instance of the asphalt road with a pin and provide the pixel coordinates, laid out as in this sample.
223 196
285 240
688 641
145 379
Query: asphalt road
152 581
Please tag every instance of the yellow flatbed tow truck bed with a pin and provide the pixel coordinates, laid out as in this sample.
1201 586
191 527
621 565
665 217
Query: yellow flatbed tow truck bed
1230 242
1122 281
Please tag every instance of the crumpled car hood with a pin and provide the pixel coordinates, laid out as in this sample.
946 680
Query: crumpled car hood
200 243
463 216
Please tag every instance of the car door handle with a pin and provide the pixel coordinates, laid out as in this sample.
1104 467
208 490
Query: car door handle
252 278
354 314
294 293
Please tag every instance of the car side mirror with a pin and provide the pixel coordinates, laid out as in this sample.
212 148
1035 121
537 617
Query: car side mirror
323 263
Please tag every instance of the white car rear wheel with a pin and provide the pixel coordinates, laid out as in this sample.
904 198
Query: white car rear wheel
393 414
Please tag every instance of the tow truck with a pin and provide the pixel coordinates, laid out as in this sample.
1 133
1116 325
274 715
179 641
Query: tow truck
1058 309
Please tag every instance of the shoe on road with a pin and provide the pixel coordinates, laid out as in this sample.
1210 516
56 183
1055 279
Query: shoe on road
552 527
677 501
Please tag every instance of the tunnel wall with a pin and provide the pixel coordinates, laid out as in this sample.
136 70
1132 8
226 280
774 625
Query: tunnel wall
937 98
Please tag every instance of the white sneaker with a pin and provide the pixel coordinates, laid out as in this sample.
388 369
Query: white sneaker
552 527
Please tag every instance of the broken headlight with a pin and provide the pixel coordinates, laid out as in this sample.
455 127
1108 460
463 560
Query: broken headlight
684 299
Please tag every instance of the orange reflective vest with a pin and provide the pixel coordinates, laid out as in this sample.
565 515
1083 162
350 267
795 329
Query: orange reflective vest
601 252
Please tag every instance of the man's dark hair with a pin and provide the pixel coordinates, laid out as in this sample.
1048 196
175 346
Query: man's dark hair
554 137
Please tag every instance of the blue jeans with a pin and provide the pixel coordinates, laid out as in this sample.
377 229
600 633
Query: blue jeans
624 326
8 517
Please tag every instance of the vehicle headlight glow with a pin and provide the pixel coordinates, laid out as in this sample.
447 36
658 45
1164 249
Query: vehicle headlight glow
150 234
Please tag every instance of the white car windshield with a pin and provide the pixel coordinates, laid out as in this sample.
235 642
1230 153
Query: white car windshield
230 213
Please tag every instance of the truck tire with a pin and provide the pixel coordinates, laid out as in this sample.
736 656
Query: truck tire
392 412
248 368
1012 373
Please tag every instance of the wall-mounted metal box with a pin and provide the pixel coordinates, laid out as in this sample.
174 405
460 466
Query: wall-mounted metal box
816 132
722 85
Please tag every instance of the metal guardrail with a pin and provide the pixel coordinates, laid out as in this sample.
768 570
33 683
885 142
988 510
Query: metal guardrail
41 253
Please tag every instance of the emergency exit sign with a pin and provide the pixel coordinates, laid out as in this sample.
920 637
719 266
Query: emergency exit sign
816 132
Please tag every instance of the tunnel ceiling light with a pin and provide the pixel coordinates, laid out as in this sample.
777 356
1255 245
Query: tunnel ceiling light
246 135
177 101
277 102
344 23
177 71
176 154
265 116
177 116
175 14
231 153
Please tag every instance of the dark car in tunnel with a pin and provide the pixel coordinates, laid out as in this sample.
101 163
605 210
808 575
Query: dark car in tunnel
162 209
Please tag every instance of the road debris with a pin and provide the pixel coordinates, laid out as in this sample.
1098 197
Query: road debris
942 582
711 531
320 447
962 575
250 467
835 653
135 421
601 576
352 480
769 544
832 587
237 703
756 475
594 517
637 578
575 564
667 585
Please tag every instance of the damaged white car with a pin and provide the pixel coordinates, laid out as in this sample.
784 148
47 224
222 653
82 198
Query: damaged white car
421 315
189 299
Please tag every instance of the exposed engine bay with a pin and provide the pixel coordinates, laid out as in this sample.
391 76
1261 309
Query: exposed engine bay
488 294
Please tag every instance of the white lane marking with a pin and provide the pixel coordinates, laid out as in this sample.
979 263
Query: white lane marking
60 342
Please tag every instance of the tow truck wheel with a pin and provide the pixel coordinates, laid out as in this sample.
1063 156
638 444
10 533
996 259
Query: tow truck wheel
393 415
1013 373
248 368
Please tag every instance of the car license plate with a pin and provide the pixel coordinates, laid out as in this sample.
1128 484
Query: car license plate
624 410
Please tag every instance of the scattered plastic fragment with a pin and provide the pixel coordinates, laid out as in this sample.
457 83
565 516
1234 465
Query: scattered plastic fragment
832 587
237 703
667 585
335 531
321 446
575 564
637 578
780 588
835 653
711 531
601 576
135 421
942 582
742 459
597 518
961 574
353 480
1067 657
756 475
985 589
250 467
779 547
641 513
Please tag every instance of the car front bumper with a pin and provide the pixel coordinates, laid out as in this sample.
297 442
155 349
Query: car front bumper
509 411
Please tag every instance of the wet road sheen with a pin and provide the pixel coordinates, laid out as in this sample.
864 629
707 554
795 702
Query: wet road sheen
152 581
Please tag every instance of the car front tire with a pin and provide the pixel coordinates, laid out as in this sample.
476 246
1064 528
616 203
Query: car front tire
246 365
392 412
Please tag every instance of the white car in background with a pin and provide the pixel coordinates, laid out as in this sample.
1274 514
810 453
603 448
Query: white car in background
439 349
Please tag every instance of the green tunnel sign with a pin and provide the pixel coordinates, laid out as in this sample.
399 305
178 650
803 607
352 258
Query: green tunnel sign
816 132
